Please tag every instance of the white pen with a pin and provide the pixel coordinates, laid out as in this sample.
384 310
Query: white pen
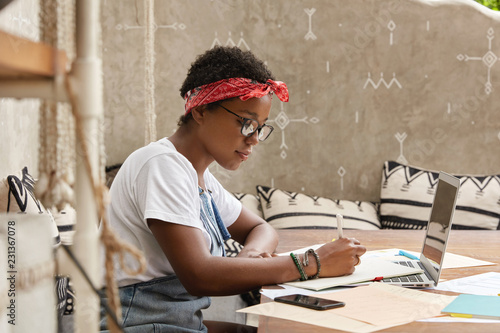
340 225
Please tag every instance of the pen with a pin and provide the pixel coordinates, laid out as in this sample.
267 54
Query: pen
340 222
408 255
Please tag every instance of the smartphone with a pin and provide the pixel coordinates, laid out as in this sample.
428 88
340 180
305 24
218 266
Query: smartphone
309 302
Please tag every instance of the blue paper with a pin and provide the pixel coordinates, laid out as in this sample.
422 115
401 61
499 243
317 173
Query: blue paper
478 306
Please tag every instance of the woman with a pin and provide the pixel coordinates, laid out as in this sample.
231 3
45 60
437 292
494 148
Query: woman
166 202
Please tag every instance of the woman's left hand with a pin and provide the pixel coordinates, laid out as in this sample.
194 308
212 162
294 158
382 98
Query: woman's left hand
255 254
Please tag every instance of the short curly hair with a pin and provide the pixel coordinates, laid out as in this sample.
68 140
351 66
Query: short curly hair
223 62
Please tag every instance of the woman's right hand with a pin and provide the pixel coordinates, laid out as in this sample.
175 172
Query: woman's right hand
339 257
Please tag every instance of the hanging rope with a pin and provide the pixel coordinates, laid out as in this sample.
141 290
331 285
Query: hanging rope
56 164
113 245
149 79
57 153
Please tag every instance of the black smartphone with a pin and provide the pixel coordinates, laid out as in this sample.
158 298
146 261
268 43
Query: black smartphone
309 302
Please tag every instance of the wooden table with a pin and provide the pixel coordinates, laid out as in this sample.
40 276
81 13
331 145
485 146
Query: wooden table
483 245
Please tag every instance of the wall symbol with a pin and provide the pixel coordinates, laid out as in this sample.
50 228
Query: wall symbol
341 171
174 26
282 121
391 26
230 42
310 34
401 138
489 59
382 81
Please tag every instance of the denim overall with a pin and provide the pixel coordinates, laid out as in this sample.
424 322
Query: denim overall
163 304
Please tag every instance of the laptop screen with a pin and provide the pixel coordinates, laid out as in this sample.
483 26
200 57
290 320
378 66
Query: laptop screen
440 220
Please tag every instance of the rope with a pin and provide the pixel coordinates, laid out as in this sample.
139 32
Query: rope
149 79
113 245
57 152
56 136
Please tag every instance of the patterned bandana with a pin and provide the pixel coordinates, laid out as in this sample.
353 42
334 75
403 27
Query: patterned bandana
233 87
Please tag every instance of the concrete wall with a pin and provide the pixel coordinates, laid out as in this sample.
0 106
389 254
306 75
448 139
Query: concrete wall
369 80
19 118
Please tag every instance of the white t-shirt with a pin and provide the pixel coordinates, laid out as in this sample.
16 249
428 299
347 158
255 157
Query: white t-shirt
157 182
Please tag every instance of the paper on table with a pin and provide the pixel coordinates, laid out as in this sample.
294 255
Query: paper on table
367 309
326 318
382 304
451 260
289 290
369 269
477 306
481 284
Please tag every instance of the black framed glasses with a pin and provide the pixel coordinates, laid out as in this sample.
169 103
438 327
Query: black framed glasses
250 126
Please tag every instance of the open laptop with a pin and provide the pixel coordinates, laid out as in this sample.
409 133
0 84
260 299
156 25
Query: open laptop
436 238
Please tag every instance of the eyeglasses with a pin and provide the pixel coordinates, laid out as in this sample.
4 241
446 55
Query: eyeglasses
250 126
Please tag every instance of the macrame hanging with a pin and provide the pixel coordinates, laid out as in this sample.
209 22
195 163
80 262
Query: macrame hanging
56 164
57 157
149 80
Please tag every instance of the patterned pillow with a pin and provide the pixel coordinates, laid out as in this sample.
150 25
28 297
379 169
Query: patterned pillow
17 196
407 193
250 201
287 210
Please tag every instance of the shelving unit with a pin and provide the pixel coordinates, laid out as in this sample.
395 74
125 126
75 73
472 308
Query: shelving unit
31 69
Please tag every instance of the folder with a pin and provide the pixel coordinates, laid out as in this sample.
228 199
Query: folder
474 306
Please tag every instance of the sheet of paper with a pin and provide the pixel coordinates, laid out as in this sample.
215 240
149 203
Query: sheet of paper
377 303
481 284
289 290
381 304
451 260
369 269
326 318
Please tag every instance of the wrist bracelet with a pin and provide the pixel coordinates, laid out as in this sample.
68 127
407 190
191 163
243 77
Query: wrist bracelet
303 275
318 263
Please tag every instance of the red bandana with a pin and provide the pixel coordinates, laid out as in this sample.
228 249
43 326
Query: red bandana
234 87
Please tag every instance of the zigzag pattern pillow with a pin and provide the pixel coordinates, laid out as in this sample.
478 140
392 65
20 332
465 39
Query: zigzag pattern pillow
407 193
288 210
250 201
17 195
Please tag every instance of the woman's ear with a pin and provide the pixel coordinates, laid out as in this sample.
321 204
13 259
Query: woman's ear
198 113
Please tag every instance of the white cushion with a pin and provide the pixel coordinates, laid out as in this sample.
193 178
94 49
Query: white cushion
407 193
283 209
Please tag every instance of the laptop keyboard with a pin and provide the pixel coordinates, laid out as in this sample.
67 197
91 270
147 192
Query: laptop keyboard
409 278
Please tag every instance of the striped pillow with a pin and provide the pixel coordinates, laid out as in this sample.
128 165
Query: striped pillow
407 193
288 210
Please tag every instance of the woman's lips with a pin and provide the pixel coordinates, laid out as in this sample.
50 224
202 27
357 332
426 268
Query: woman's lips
244 155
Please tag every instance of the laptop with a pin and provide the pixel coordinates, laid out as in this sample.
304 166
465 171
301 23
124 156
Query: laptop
436 238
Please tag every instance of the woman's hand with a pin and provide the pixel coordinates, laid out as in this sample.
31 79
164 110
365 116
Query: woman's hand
339 257
250 253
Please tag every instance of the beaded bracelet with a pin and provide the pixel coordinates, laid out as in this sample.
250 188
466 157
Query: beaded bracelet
318 263
303 275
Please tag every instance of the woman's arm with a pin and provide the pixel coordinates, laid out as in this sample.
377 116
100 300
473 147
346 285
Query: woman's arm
255 234
207 275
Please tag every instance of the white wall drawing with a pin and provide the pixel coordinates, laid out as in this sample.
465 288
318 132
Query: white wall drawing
242 44
401 138
282 121
489 59
388 85
391 26
310 34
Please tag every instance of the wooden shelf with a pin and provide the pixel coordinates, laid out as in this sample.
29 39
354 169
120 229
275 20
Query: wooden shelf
22 58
